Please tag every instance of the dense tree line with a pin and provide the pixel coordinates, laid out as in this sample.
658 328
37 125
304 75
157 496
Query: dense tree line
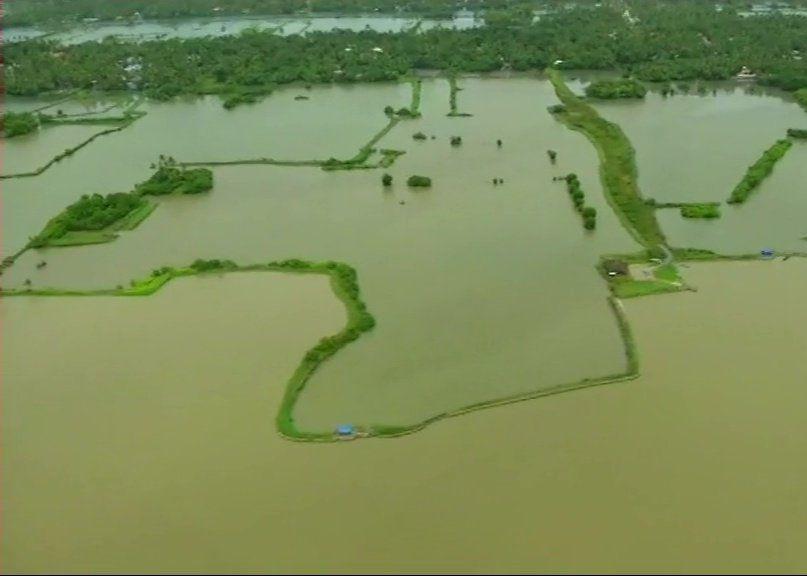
684 41
614 89
18 123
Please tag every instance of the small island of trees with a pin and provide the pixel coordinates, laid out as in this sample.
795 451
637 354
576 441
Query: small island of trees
18 123
615 89
419 181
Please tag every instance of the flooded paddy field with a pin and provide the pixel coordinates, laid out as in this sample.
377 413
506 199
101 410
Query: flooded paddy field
180 468
480 290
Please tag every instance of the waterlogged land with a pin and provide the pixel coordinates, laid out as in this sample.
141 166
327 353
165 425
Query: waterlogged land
481 291
445 342
189 457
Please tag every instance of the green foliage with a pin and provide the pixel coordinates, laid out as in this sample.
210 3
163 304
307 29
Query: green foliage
666 44
169 179
234 100
801 97
760 170
419 181
617 168
19 123
615 89
456 141
90 213
201 265
705 211
419 136
798 133
386 180
588 213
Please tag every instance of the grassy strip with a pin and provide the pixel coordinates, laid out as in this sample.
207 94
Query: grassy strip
344 282
88 121
703 211
629 288
83 238
134 218
617 163
452 99
260 161
70 151
760 170
417 89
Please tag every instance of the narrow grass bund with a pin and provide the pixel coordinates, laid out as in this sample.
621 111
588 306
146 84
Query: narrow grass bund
760 170
129 120
452 99
617 163
344 282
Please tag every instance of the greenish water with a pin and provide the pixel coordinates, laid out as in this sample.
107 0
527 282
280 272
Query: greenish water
138 436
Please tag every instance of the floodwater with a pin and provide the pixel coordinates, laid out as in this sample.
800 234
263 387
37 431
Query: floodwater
227 26
138 433
159 454
480 291
696 148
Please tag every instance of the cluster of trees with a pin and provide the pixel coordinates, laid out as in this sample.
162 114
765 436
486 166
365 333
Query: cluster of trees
670 42
799 133
170 179
91 212
456 140
588 213
419 181
200 265
760 170
18 123
30 12
613 89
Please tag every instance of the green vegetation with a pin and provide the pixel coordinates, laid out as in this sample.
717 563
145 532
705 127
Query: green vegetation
344 281
386 180
801 97
170 179
668 43
419 182
18 123
419 136
704 210
760 170
665 278
456 141
130 118
615 89
617 164
798 133
91 214
96 219
454 89
588 213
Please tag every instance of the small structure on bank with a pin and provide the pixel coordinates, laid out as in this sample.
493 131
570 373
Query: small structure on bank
767 252
346 431
614 268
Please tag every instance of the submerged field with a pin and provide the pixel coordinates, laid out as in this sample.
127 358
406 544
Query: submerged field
481 291
179 467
